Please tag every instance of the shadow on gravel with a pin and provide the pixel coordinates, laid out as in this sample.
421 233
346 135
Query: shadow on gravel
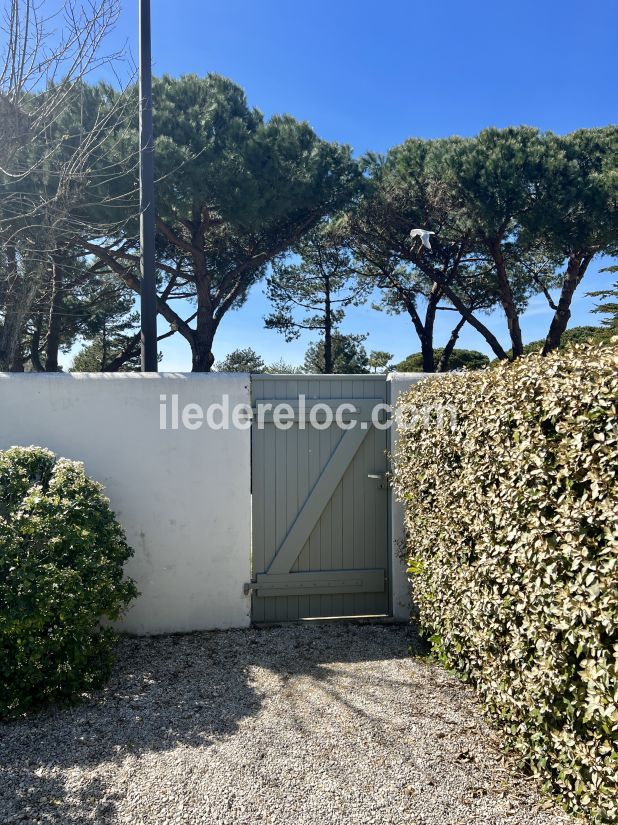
165 691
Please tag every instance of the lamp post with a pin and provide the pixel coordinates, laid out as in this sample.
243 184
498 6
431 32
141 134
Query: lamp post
148 289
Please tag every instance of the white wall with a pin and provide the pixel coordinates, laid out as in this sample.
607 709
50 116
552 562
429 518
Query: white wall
182 496
398 383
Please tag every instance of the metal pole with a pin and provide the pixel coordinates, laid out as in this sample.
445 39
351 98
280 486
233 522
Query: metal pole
148 291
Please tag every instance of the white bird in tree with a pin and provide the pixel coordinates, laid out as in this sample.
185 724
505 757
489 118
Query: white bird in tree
423 234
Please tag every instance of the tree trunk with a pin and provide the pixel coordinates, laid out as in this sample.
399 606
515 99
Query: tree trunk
201 355
576 269
52 345
465 311
508 303
205 323
328 329
423 330
201 345
35 346
426 340
450 346
131 350
17 365
16 305
429 361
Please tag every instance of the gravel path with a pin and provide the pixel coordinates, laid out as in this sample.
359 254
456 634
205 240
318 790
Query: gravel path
315 724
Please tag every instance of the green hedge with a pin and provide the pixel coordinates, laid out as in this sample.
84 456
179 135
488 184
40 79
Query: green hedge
511 500
61 570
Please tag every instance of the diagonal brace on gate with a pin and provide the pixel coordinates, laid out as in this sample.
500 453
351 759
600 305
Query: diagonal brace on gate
315 505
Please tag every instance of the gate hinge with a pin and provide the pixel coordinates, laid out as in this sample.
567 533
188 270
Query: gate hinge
248 587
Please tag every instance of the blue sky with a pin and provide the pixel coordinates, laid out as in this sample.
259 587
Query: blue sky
372 74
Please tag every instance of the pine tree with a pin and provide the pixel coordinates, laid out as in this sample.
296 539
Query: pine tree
609 306
314 293
241 360
348 355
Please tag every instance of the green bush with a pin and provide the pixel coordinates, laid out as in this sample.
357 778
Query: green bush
469 358
61 570
512 521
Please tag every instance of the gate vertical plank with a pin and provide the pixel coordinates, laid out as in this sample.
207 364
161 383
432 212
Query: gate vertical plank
348 482
369 505
258 492
336 601
284 606
281 494
292 482
304 480
326 561
270 449
381 504
359 508
378 462
324 450
314 539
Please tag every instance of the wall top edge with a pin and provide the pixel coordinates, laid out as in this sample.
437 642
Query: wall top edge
304 376
205 376
124 376
393 376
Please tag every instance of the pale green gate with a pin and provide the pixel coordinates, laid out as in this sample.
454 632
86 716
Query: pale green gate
320 499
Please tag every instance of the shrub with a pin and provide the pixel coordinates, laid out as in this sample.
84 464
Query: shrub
469 358
512 525
61 570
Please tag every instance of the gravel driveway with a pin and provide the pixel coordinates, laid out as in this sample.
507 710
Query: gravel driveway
301 724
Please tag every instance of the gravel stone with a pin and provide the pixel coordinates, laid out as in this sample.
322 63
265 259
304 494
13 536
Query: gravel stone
311 723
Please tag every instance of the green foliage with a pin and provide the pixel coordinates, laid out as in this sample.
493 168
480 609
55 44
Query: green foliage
61 571
459 358
575 335
102 355
281 367
378 359
69 182
511 517
498 176
516 212
314 293
608 306
241 360
73 166
110 328
349 355
576 210
417 185
235 192
215 152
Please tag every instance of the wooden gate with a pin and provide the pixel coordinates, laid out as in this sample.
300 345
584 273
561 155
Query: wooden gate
320 499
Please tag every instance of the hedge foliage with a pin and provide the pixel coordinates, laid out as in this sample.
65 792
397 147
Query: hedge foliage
61 570
512 522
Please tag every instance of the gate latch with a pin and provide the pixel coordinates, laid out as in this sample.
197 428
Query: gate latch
382 479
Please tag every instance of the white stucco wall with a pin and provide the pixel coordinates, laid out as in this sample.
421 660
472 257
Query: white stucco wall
398 383
183 496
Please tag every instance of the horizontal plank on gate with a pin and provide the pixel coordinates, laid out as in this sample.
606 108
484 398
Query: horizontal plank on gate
324 581
362 408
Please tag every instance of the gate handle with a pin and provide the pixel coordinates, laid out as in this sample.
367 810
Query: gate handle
382 478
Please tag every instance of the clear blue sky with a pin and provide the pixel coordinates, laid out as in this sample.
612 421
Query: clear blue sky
372 74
